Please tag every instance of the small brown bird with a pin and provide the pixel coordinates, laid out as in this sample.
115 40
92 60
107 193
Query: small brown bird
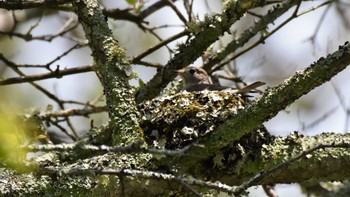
197 79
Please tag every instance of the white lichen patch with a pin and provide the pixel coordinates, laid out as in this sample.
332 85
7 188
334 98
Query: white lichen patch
189 131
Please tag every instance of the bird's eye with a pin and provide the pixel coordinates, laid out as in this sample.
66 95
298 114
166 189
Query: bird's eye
192 71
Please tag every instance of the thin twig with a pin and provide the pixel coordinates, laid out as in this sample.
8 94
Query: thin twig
49 75
73 112
177 11
159 45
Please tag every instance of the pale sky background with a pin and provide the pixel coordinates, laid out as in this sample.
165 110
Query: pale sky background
281 56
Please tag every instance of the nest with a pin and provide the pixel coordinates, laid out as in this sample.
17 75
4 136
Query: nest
175 121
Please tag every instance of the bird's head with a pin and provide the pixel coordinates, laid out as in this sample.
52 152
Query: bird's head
193 75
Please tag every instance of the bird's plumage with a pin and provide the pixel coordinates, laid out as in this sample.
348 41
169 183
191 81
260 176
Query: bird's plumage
197 79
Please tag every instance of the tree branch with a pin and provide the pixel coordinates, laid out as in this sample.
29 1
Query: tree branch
272 101
294 158
19 5
244 37
207 32
264 174
111 67
55 74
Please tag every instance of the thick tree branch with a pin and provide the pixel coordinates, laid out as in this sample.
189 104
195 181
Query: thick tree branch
305 154
296 158
111 67
296 154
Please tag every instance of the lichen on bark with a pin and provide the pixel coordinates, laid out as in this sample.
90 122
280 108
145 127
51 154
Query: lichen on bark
111 67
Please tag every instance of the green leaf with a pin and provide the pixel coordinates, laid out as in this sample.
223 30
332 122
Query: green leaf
141 83
131 2
12 135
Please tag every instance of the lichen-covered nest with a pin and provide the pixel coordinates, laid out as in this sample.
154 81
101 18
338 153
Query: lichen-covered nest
175 121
